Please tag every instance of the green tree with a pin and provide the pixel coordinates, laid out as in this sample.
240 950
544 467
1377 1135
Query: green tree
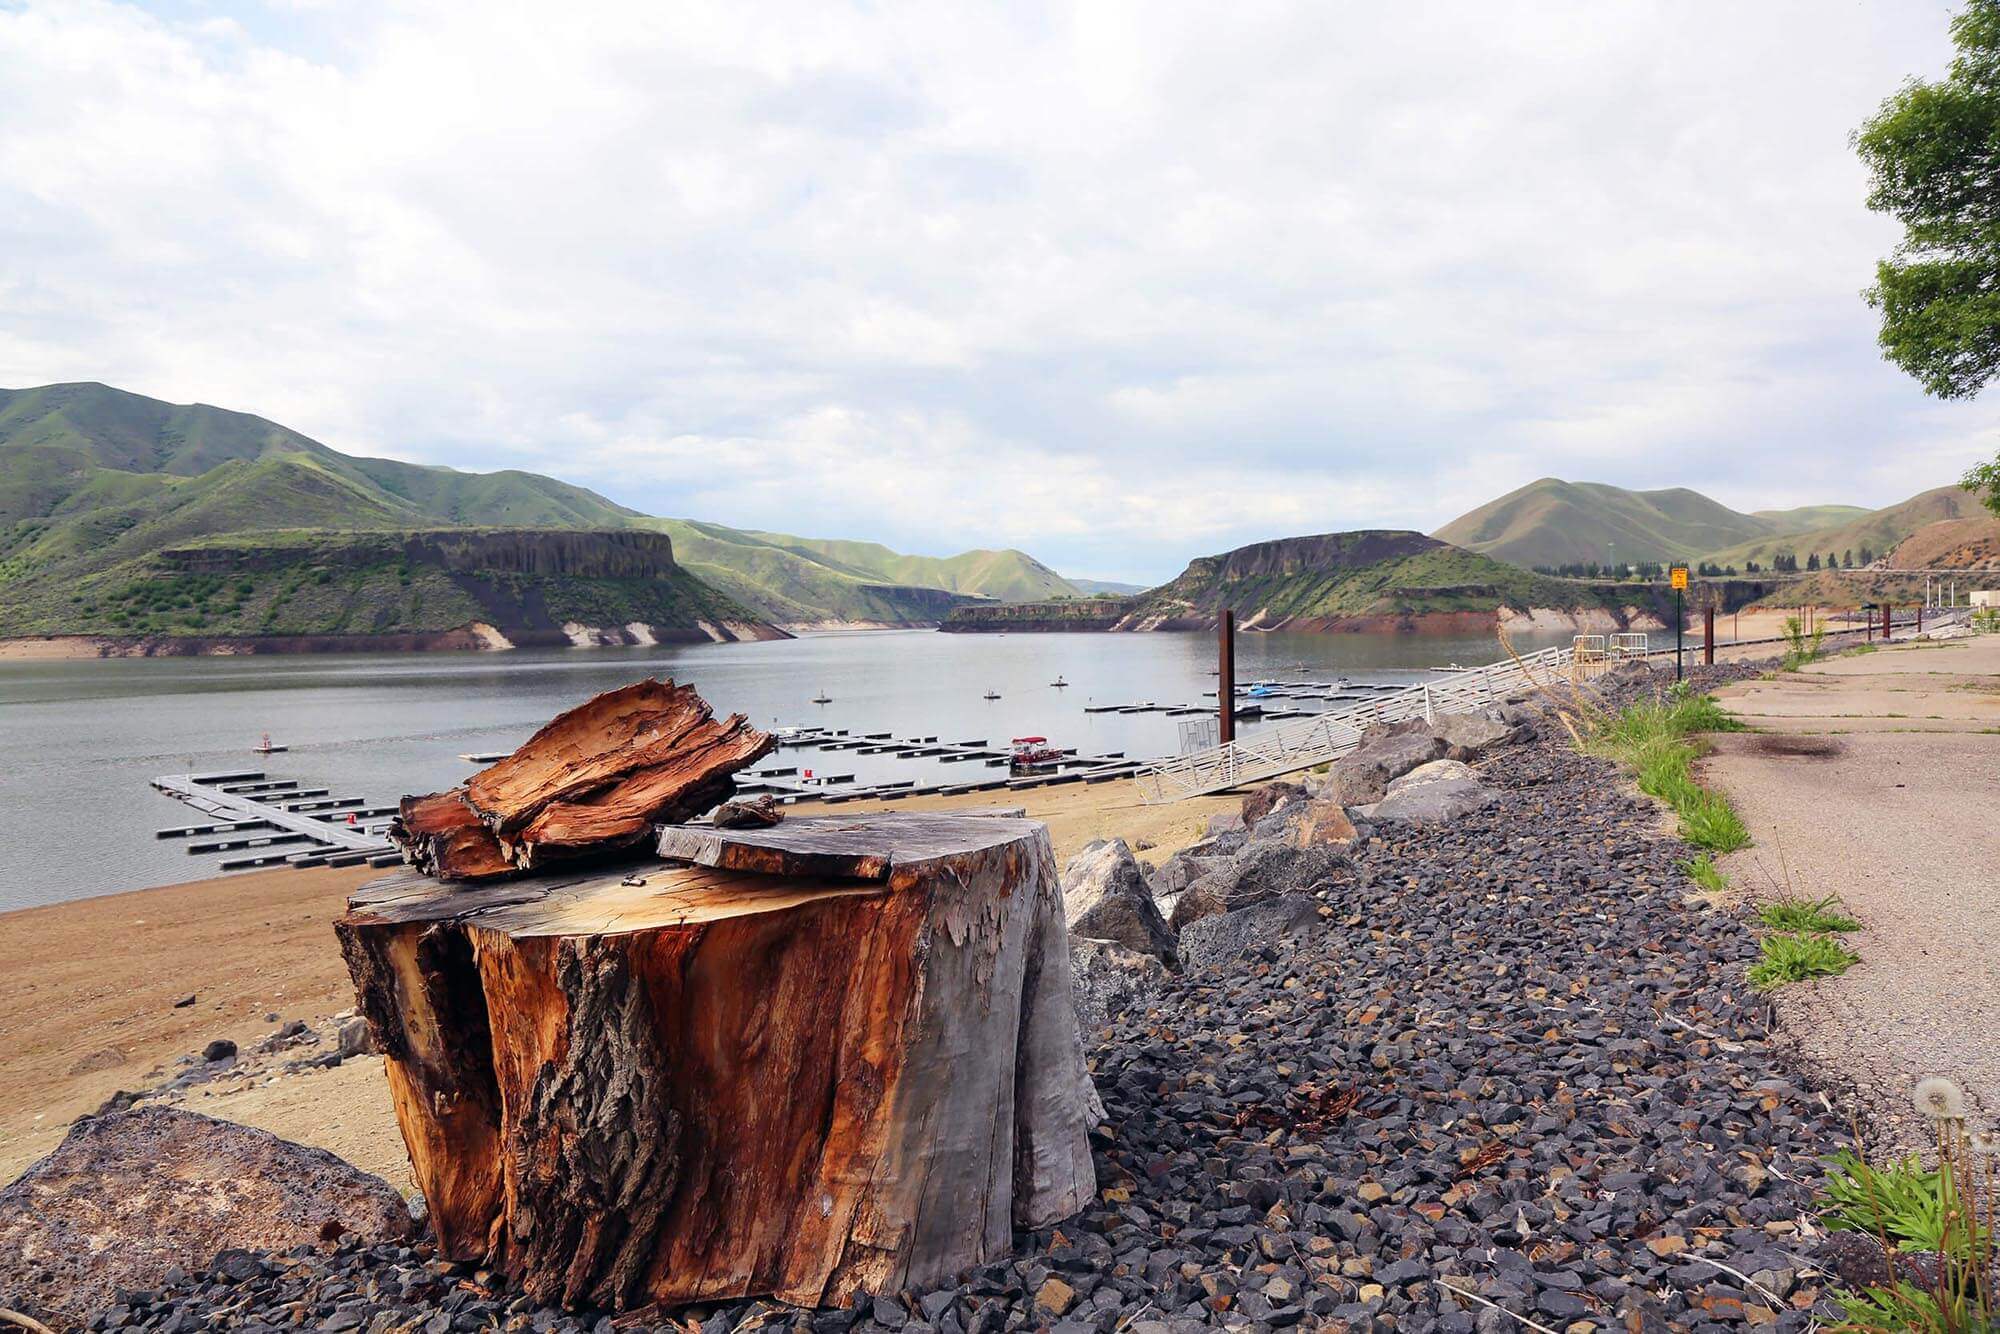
1933 157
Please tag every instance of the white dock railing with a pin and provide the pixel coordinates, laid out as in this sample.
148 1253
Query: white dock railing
1305 742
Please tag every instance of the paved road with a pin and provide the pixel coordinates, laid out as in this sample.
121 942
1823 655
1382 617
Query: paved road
1874 777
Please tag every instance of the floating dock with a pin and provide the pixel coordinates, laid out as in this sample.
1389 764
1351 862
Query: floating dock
267 819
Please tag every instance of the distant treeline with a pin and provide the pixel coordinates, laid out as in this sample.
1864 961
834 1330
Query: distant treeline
1786 563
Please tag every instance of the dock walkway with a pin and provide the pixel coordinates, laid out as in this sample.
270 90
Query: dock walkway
252 813
1289 747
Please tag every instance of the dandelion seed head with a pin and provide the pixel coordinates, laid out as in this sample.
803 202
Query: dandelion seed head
1939 1098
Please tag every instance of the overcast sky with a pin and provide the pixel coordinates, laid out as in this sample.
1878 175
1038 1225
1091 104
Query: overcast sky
1117 284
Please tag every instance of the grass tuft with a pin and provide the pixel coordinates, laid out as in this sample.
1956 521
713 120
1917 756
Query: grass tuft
1651 738
1806 915
1793 957
1703 872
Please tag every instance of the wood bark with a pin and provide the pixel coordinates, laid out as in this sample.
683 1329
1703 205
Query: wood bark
590 784
834 1056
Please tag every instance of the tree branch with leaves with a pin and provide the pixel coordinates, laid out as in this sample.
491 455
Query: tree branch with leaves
1933 157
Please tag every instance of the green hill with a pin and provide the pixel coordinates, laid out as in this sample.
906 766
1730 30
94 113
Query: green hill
1372 579
1311 582
1810 516
1550 523
534 586
792 587
93 477
1876 531
1009 575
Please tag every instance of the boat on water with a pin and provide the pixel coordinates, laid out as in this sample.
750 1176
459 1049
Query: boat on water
1033 752
1060 684
991 694
822 697
265 747
1260 691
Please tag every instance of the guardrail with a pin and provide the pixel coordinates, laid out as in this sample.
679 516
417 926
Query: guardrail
1290 747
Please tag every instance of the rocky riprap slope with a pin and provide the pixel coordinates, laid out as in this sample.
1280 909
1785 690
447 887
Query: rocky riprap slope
1509 1053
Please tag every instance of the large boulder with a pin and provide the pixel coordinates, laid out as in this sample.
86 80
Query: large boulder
1179 871
1437 771
1272 799
1467 736
1326 824
1223 938
1110 980
1263 870
1363 775
1433 794
1106 897
130 1195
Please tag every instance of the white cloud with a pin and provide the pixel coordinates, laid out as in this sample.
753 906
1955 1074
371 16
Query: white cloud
1115 283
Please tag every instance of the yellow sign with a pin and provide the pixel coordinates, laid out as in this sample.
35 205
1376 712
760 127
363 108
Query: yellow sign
1679 575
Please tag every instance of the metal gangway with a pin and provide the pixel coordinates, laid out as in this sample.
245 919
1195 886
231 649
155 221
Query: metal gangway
1301 744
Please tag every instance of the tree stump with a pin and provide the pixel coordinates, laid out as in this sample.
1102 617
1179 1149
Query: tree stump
834 1056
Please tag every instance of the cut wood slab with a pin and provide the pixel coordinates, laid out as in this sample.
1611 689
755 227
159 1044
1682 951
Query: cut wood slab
834 1056
590 784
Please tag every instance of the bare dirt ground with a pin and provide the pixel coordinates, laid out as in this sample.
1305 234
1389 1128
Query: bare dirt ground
1876 777
89 1008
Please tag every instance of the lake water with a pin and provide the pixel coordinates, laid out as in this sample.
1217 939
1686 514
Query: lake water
79 740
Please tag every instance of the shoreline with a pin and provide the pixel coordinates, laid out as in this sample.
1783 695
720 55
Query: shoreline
98 1015
1363 1063
472 637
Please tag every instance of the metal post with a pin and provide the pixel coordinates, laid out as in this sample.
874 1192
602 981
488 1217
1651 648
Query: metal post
1888 622
1708 635
1920 620
1680 618
1225 676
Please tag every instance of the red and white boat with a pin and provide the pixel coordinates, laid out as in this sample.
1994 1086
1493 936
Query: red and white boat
1034 752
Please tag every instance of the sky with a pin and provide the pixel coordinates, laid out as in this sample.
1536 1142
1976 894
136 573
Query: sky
1115 283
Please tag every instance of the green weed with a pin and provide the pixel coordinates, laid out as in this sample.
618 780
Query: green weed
1791 957
1702 871
1651 738
1936 1214
1806 915
1800 648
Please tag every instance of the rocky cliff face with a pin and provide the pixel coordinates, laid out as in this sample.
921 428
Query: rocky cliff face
1323 552
1370 580
611 554
426 588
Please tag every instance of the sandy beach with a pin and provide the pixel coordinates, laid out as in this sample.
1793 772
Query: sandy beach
87 1003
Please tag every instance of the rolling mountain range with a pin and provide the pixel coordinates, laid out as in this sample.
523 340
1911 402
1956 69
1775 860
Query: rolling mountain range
122 515
1551 523
1878 532
96 484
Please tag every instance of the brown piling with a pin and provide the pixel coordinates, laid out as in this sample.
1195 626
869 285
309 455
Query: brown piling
1225 676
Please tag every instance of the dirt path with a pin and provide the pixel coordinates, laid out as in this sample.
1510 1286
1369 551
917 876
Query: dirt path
1876 777
91 1009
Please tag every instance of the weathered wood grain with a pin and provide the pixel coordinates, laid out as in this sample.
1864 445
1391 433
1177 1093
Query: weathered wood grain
588 786
705 1081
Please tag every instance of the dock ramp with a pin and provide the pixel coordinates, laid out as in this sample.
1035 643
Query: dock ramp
1306 742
